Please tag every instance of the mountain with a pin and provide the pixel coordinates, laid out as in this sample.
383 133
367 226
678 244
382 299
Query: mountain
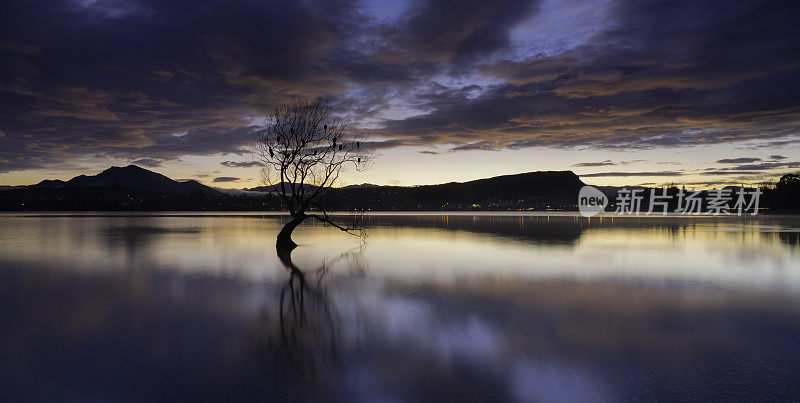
131 177
532 190
530 184
544 190
135 188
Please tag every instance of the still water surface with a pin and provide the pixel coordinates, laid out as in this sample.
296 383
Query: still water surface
432 307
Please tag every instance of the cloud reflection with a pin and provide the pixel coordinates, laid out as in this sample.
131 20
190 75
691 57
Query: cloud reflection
150 307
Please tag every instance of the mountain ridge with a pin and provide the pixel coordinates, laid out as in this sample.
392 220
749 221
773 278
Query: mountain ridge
131 177
508 180
133 188
136 188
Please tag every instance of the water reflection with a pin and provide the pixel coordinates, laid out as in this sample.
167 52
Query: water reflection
307 335
437 307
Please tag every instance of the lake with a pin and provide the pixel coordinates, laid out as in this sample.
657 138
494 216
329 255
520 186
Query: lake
534 307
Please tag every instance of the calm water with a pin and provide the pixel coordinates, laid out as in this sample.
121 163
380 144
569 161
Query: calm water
432 307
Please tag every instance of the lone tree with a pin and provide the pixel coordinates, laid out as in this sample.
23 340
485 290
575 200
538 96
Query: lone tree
304 148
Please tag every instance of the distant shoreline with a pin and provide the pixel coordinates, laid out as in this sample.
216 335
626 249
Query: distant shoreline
512 213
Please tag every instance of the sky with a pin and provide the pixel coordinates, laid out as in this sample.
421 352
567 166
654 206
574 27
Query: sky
699 93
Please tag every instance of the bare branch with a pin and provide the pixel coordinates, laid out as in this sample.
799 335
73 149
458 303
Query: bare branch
304 148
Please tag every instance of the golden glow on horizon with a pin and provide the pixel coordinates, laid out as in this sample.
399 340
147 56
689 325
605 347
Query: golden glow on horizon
406 166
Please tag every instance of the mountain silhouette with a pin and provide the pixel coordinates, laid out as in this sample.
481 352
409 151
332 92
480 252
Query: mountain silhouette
135 188
530 184
138 189
537 190
131 177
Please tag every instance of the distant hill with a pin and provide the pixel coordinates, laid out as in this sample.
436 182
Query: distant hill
531 184
138 189
135 188
131 177
533 190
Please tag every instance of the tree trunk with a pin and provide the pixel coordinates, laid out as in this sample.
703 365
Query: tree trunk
285 236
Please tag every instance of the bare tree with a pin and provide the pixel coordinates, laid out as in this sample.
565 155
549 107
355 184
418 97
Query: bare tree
304 148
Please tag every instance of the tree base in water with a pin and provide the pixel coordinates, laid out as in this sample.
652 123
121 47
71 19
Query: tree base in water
284 240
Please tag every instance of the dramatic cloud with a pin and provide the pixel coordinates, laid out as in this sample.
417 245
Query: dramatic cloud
757 168
478 145
667 74
764 166
594 164
738 160
732 172
378 145
226 179
155 80
147 162
777 157
245 164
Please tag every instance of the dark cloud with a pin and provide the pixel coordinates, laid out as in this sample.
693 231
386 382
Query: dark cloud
791 140
157 80
383 144
126 79
737 160
441 31
478 145
244 164
731 172
777 157
765 166
147 162
594 164
226 179
753 168
668 74
622 174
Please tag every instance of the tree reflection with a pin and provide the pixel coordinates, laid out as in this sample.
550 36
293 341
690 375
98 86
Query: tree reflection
305 331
